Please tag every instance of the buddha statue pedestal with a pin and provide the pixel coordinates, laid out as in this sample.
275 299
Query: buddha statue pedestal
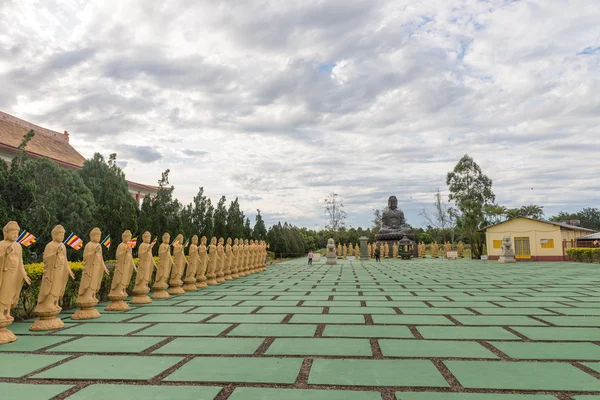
141 296
175 286
190 284
160 291
87 310
117 303
6 336
47 321
201 282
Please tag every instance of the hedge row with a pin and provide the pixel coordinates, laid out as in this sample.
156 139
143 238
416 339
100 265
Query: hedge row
584 254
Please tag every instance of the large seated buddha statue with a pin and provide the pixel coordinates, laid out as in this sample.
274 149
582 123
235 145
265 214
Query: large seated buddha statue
393 223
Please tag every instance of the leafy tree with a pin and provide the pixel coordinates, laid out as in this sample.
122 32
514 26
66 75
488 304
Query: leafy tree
235 220
116 210
260 230
334 211
247 229
494 213
209 220
441 217
471 190
588 218
530 211
162 214
199 213
220 219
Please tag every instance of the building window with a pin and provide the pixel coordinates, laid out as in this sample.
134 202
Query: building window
547 243
497 244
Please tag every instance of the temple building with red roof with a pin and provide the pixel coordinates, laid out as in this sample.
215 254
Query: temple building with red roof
53 145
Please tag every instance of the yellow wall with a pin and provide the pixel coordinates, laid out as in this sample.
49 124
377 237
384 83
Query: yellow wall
523 227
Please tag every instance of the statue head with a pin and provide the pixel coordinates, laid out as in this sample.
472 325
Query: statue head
58 233
246 242
506 241
146 237
393 203
126 236
330 242
213 241
95 235
236 241
180 238
11 231
195 239
229 241
203 240
166 239
221 240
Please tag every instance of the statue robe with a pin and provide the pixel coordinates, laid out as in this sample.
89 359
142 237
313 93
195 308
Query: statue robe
56 275
179 263
145 266
123 270
93 270
203 261
193 261
12 274
164 264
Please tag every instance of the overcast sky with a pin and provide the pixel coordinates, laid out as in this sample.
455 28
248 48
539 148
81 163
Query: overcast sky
282 102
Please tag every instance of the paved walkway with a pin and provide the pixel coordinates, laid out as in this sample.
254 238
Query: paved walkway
409 330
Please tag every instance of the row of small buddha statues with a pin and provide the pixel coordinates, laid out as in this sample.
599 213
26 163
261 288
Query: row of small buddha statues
205 265
436 251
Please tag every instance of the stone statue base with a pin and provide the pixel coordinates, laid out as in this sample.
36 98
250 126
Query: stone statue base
331 261
507 259
235 274
160 291
175 287
211 279
242 273
6 336
86 313
201 283
48 323
190 285
141 299
227 275
219 277
116 305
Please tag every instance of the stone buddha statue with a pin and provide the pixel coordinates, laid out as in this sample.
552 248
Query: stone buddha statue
392 219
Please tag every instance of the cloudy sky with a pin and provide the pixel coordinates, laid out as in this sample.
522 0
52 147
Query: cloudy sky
281 102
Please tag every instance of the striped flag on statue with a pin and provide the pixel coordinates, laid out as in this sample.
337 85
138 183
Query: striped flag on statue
74 241
26 239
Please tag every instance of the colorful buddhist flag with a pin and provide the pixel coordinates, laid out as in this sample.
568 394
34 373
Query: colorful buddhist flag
74 241
187 242
106 242
154 241
175 243
26 239
132 243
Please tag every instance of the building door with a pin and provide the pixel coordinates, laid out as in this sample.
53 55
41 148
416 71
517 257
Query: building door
522 247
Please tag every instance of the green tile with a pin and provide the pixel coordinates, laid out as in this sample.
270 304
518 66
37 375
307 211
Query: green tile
209 303
253 318
122 392
244 393
204 329
549 351
376 373
110 368
499 320
108 345
226 369
433 348
578 311
466 332
21 391
521 375
327 319
573 320
462 304
270 303
115 329
361 310
513 311
159 310
291 310
560 334
273 330
529 304
18 365
223 310
412 320
402 304
32 343
470 396
103 318
331 303
436 311
177 318
367 331
595 366
213 346
22 328
320 347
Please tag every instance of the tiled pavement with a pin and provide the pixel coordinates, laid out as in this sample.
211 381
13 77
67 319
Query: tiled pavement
407 330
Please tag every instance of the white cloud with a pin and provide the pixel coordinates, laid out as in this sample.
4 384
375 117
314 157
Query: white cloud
280 103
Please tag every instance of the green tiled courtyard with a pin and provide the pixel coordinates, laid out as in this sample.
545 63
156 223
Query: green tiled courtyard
396 330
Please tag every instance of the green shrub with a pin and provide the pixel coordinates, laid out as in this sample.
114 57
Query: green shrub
584 254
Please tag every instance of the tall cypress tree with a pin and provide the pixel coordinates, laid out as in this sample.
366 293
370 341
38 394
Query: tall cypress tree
220 219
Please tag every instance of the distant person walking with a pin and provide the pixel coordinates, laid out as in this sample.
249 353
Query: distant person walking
377 254
310 257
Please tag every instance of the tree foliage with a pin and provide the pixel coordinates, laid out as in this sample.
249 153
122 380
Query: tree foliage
334 211
471 190
588 218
